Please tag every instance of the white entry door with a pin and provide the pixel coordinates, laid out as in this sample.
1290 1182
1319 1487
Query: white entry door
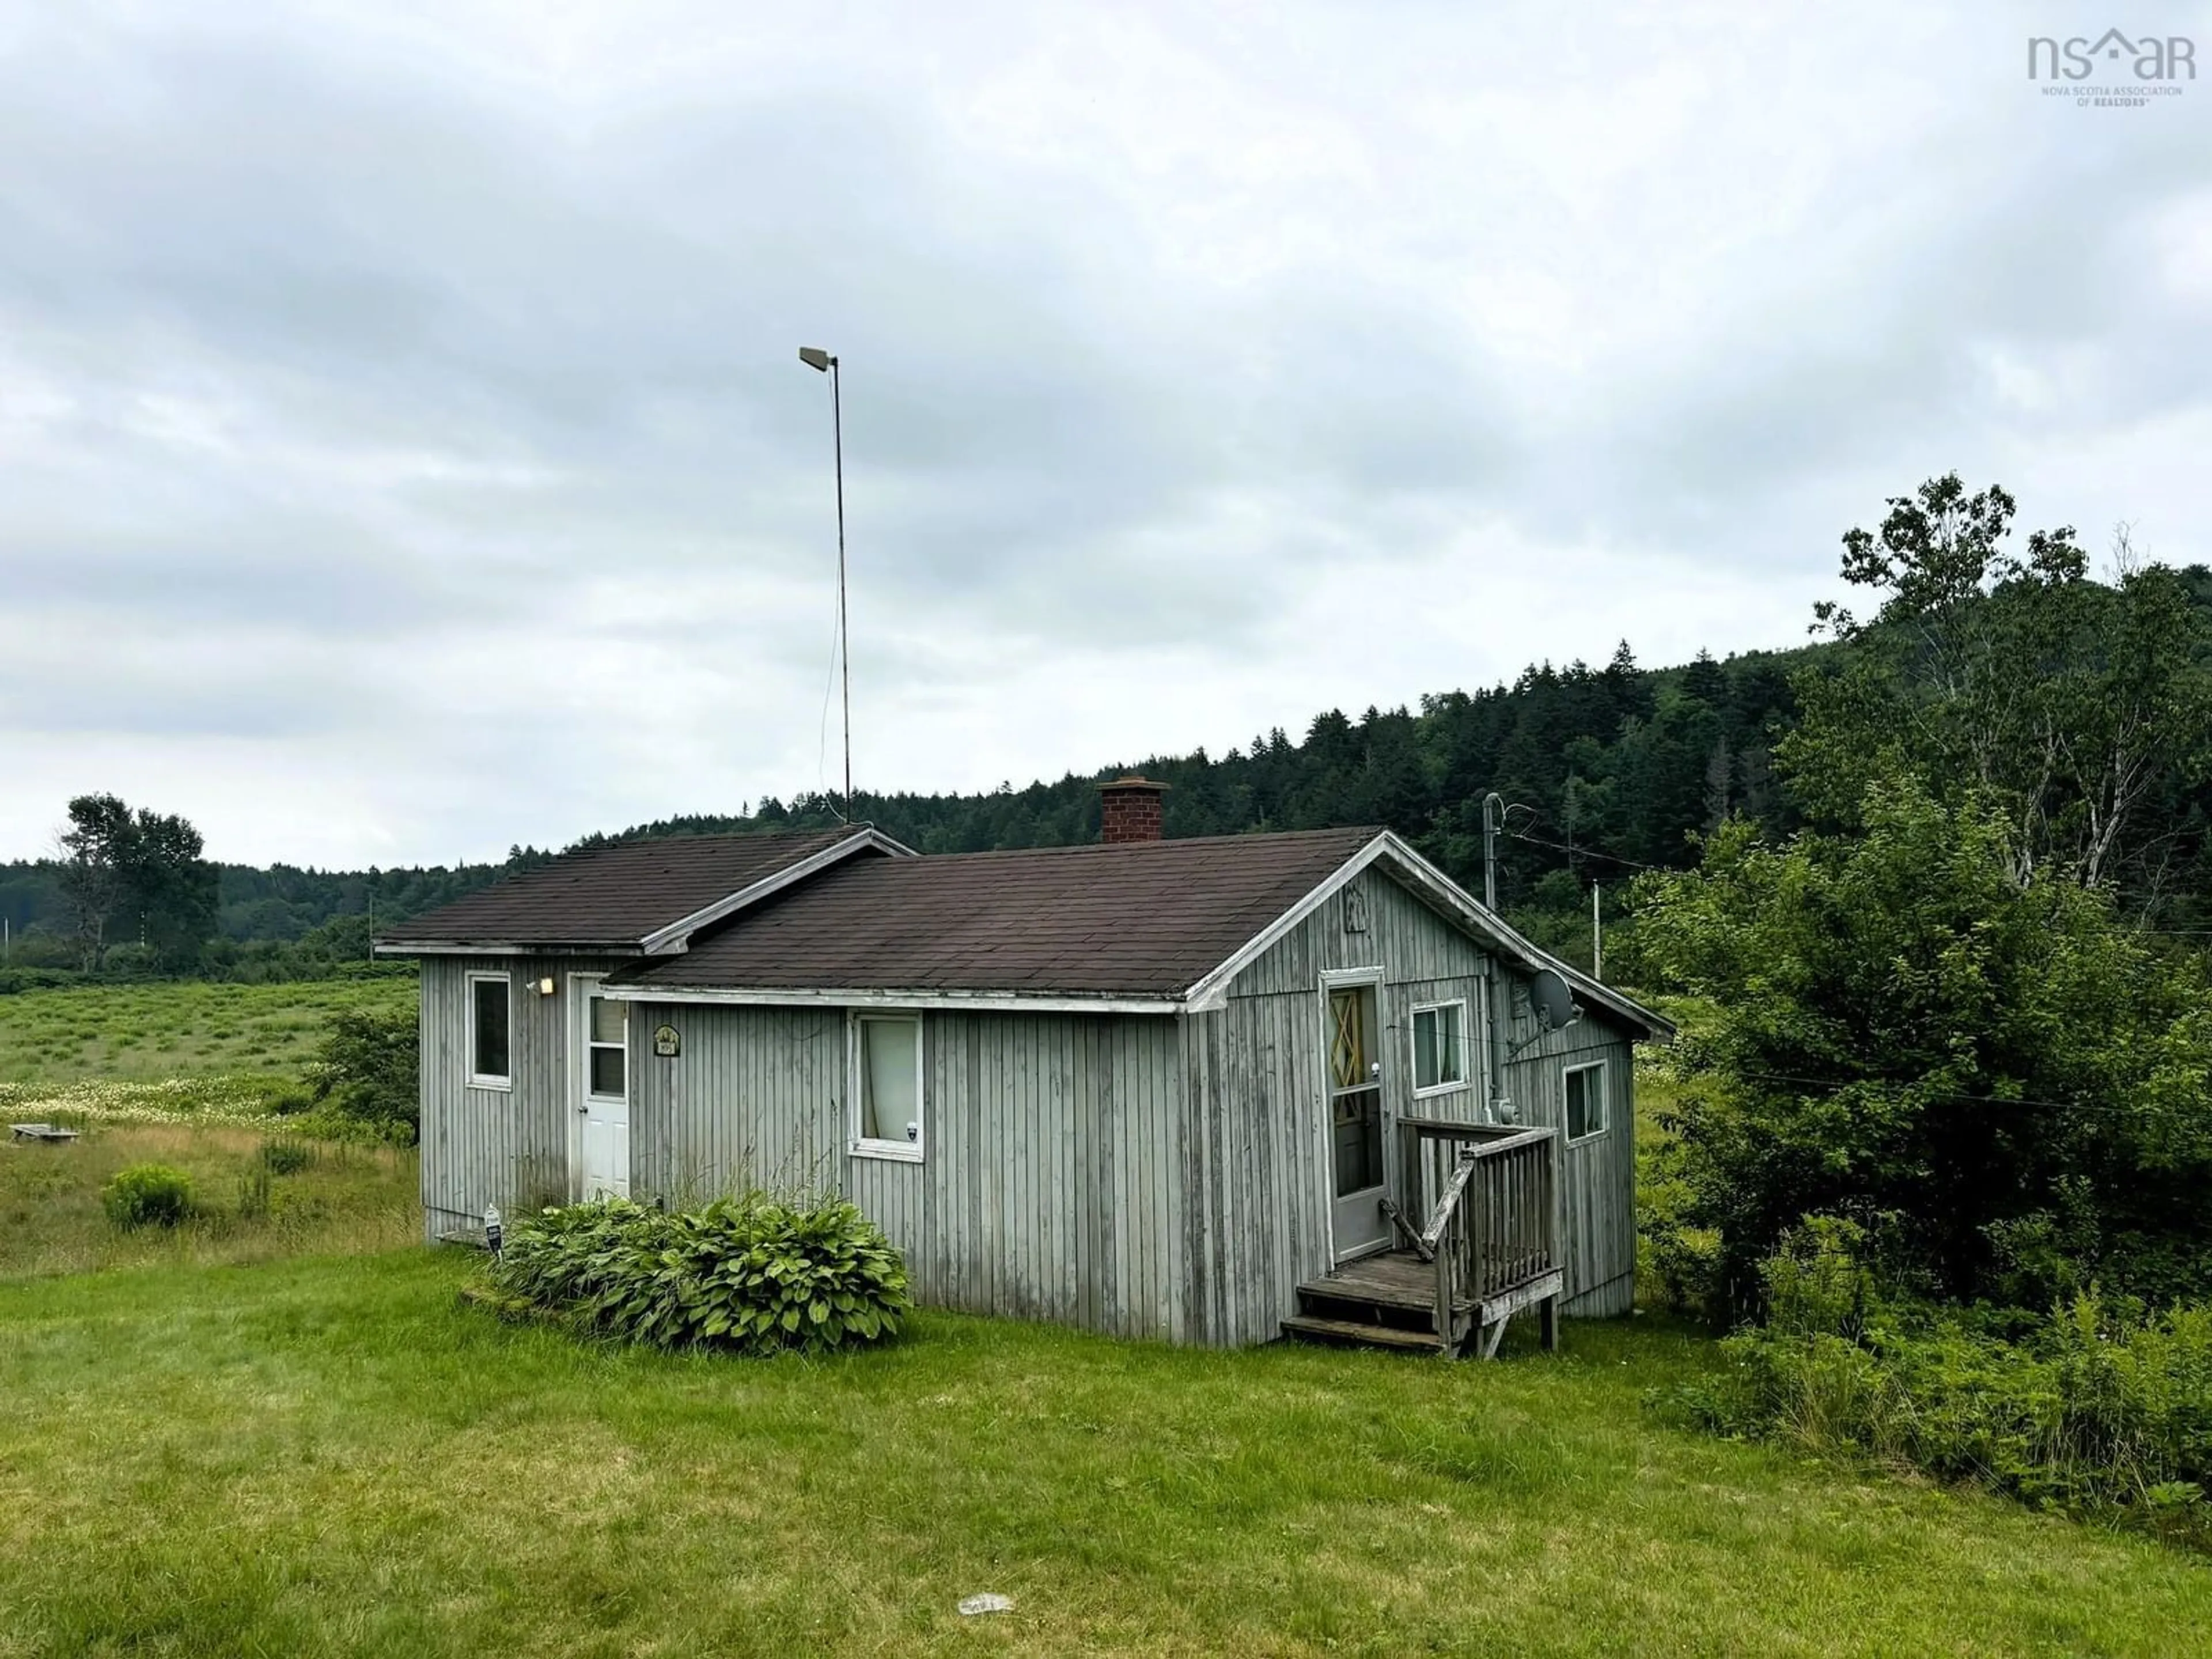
1359 1178
603 1093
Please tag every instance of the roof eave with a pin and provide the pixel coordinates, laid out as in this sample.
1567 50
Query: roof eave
480 947
911 997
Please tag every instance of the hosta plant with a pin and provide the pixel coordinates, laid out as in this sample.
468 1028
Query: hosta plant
753 1275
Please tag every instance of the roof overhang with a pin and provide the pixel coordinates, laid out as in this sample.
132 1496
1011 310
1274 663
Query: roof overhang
448 947
673 939
772 996
1447 898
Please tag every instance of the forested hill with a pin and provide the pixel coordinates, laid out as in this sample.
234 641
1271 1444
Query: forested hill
1619 764
1608 769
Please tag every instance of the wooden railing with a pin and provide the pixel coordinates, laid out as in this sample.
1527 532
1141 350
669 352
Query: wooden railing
1486 1196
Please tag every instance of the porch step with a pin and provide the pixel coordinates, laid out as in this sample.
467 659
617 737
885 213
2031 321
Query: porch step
1312 1328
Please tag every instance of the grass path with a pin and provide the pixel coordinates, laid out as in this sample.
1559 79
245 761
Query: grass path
331 1456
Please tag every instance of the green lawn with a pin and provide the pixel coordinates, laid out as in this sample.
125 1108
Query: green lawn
177 1028
330 1456
214 1444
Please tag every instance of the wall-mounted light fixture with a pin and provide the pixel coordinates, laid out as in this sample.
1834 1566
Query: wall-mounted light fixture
546 986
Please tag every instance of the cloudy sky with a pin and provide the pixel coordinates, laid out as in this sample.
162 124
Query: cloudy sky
403 450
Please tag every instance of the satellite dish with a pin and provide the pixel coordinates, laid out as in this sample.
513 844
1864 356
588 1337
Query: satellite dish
1554 1002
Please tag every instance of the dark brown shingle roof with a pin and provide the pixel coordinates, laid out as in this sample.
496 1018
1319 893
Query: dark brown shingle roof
613 896
1148 919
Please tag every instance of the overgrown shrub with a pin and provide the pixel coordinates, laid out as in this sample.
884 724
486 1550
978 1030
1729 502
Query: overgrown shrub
148 1196
1902 1025
285 1157
2100 1407
751 1273
366 1075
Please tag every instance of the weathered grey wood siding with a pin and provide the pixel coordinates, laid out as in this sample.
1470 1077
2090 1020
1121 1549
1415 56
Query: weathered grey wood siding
1597 1174
1048 1186
503 1146
1256 1165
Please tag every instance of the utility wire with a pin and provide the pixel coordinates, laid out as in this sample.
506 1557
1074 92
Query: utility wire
1581 851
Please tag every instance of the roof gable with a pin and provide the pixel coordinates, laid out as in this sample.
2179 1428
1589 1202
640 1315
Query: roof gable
1442 895
636 897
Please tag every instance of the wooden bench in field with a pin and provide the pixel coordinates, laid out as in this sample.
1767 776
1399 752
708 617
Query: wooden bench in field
41 1131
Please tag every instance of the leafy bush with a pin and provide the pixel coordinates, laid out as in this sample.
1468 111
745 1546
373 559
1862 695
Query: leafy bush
2098 1407
1904 1024
751 1273
16 980
148 1196
285 1157
367 1073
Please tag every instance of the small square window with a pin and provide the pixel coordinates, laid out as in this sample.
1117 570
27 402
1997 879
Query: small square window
1439 1047
1586 1100
608 1041
887 1085
490 1030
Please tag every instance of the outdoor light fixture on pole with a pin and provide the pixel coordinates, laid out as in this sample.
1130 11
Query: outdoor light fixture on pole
815 358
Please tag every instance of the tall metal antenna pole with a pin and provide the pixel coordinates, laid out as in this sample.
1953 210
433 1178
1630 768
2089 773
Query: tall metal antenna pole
824 363
844 658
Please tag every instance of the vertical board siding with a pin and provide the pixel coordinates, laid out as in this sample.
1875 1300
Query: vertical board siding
1040 1194
504 1146
1257 1176
1597 1175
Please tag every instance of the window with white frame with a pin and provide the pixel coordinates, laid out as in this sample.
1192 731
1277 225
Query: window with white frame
887 1085
1439 1047
491 1025
607 1040
1586 1100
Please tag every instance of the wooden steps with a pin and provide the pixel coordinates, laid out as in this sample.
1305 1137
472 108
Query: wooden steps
1382 1301
1357 1334
1389 1300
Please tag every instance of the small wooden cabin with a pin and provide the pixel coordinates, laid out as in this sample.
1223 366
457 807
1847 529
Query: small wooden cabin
1205 1090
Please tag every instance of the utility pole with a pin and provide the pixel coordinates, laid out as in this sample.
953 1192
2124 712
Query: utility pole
1597 939
1493 820
1496 1006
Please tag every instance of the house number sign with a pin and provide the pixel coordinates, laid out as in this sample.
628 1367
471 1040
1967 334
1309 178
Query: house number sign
666 1042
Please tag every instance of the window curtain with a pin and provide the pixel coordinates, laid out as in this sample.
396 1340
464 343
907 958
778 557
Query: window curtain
889 1094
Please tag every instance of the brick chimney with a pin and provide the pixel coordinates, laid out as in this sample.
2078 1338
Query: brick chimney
1132 807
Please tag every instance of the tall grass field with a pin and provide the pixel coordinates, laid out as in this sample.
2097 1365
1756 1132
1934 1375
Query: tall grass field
146 1033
